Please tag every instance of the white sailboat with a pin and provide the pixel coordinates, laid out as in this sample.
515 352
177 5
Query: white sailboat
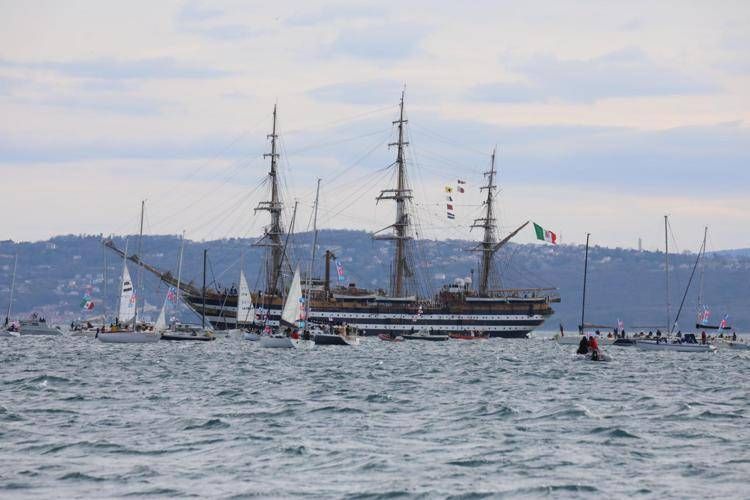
10 329
286 336
122 333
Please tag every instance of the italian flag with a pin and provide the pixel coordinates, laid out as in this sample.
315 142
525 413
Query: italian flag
544 234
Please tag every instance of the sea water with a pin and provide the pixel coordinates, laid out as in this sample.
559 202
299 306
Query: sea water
470 419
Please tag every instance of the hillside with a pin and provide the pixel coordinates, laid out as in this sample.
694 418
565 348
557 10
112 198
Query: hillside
53 275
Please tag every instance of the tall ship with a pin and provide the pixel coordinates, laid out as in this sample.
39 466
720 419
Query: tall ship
462 306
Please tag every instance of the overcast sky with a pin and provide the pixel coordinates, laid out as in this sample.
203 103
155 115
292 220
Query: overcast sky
606 115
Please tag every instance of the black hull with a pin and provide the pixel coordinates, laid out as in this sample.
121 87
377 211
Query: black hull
711 327
330 340
187 338
428 338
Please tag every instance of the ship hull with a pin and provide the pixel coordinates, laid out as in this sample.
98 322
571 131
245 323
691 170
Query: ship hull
513 320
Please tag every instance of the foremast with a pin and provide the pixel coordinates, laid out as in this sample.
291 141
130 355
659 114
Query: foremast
400 227
273 233
488 223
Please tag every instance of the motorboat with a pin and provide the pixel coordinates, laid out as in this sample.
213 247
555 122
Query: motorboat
37 326
183 332
426 335
251 336
335 335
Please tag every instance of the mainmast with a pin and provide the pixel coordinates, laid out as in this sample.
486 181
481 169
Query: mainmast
274 231
401 194
488 246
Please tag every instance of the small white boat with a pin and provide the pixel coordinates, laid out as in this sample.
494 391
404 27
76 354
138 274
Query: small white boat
128 337
603 356
37 327
277 342
8 333
646 345
251 336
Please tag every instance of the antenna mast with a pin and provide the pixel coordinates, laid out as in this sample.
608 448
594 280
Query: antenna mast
401 194
488 223
274 231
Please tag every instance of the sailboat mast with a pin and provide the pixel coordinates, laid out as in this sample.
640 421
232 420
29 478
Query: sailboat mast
314 243
585 276
400 195
487 223
274 231
179 264
666 268
203 309
12 288
700 287
140 268
104 276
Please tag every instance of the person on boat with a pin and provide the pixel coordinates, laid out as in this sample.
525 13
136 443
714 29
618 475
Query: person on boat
703 337
734 336
583 346
594 348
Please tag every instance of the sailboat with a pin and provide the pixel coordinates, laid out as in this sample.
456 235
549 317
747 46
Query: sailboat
576 339
180 332
286 336
126 329
10 329
668 344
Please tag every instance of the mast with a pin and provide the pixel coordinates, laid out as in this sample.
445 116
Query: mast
140 268
400 195
12 289
488 223
701 252
274 231
203 309
700 288
122 281
312 257
666 268
179 264
585 276
104 299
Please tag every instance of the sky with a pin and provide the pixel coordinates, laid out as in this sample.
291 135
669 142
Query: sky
606 115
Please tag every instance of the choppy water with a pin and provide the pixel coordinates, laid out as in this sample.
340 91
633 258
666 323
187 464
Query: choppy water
470 419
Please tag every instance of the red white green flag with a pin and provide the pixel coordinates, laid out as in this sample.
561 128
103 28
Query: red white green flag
545 234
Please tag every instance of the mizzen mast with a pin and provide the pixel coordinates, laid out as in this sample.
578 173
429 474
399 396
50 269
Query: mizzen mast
272 236
400 195
488 247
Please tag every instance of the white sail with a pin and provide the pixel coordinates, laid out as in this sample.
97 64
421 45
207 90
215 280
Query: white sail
161 321
293 306
245 308
127 297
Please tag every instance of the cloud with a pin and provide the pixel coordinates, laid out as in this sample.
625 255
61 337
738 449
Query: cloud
379 41
625 73
112 69
331 13
365 92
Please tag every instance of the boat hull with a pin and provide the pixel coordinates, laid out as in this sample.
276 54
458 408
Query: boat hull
127 337
40 331
334 339
7 334
252 337
428 338
665 346
187 338
270 342
738 345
